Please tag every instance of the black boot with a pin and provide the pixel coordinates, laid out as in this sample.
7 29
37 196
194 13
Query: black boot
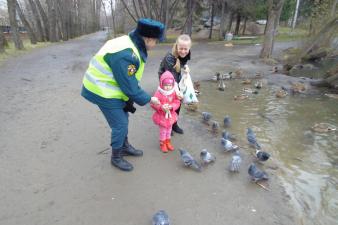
128 149
118 161
177 129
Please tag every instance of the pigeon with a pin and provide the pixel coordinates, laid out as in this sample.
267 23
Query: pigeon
206 116
207 157
228 145
262 156
227 121
257 174
250 135
235 163
189 161
226 135
160 218
215 127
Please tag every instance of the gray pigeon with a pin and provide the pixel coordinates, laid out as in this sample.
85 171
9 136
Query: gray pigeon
235 163
226 135
207 157
214 127
257 174
206 116
251 137
262 156
189 161
161 218
227 121
228 145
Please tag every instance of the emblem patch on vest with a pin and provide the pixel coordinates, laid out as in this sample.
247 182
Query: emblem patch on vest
131 69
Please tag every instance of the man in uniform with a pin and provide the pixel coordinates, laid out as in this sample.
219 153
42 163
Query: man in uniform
112 82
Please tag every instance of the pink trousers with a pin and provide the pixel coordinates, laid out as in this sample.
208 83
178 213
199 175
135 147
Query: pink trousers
165 133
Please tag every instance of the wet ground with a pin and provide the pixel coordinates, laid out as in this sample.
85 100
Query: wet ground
307 160
54 148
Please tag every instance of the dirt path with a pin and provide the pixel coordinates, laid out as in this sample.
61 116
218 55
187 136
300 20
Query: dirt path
54 157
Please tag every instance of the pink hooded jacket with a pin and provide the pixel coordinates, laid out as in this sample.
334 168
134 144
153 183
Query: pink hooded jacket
171 99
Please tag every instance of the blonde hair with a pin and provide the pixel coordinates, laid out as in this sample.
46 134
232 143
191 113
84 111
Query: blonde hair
181 38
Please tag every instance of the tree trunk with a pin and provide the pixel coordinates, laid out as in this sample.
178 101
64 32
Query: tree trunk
39 32
44 20
238 23
188 27
52 21
244 26
221 26
14 26
2 42
295 15
333 9
166 15
23 19
113 17
212 18
274 7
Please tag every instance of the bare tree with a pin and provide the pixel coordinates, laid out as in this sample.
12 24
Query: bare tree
52 21
129 12
2 42
23 19
39 31
44 20
333 9
212 18
14 25
238 23
187 28
222 22
295 15
274 8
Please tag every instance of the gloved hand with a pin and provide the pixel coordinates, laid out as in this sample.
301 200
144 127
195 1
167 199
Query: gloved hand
129 106
186 69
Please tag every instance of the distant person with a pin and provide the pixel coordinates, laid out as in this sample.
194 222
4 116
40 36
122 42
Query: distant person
175 61
165 115
112 82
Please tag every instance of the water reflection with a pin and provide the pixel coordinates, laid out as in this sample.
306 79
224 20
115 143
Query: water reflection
309 160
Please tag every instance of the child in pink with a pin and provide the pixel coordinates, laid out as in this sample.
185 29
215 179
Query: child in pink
165 115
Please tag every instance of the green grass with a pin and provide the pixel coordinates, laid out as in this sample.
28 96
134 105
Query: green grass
11 51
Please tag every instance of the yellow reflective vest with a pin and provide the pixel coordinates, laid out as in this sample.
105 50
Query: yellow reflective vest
99 78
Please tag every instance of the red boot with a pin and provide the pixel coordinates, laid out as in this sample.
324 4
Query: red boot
163 146
169 145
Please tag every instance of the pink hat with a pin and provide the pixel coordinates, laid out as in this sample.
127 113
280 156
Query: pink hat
168 81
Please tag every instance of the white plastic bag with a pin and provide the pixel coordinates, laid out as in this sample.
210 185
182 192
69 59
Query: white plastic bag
187 89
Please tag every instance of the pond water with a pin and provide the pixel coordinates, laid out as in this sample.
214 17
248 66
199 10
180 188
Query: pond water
308 161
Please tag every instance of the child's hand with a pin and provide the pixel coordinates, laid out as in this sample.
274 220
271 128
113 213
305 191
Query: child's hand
165 107
155 100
